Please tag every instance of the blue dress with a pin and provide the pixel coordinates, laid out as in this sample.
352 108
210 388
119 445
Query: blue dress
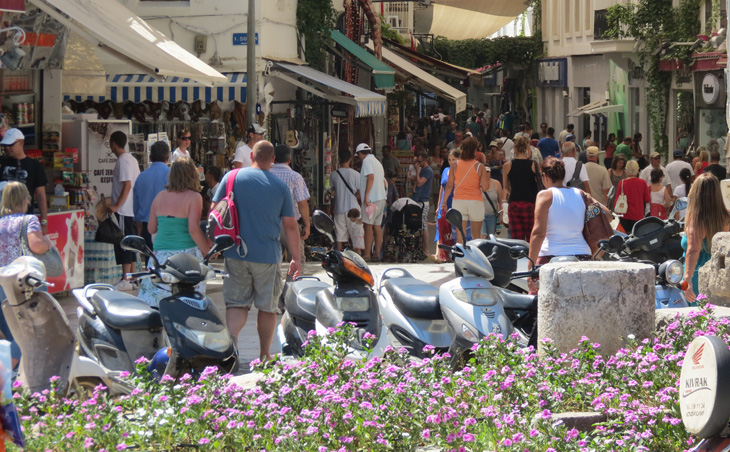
703 258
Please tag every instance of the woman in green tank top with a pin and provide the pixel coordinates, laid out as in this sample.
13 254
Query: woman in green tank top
175 224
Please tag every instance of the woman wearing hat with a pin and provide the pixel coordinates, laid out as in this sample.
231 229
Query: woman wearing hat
495 160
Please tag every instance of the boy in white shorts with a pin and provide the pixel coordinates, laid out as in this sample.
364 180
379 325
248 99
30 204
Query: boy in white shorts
356 231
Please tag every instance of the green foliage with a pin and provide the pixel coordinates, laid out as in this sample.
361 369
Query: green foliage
536 18
655 24
474 53
388 32
315 18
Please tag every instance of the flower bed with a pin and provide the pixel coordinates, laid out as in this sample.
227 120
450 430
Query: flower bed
503 400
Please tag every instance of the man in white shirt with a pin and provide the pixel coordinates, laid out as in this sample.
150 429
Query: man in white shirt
570 165
183 143
656 163
242 158
373 193
125 175
598 178
675 167
564 133
508 146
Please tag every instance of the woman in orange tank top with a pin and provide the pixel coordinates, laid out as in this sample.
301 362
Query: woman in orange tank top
468 179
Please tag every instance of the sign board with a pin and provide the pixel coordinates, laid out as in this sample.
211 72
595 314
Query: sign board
12 6
710 88
553 72
704 386
101 160
42 44
241 39
66 231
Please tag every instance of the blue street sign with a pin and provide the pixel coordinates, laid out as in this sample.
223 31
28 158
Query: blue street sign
241 39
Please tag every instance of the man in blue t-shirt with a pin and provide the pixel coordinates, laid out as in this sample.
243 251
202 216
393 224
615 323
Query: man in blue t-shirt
264 204
423 192
549 146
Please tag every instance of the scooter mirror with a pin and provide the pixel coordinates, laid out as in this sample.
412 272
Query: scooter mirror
518 252
454 218
222 243
137 244
681 203
603 243
324 224
615 242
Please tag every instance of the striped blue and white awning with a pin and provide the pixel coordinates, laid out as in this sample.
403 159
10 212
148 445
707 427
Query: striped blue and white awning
140 87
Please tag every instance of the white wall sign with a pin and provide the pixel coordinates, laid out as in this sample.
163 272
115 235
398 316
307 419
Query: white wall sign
710 89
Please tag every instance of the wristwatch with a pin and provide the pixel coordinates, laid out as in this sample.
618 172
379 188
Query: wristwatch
44 222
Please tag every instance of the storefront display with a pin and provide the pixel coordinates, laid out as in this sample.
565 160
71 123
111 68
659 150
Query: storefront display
66 231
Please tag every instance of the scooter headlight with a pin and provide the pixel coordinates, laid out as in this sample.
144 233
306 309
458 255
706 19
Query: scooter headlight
218 341
673 272
167 278
478 297
353 304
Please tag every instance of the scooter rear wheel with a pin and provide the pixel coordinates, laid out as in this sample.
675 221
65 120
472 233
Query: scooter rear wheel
84 387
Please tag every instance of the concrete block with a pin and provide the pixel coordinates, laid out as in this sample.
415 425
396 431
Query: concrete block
666 316
714 276
581 421
604 301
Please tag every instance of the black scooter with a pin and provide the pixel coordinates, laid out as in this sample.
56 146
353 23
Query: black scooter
184 335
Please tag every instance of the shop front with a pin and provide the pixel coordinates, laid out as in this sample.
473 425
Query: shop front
710 96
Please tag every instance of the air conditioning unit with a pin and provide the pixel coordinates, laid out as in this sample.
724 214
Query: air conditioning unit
393 21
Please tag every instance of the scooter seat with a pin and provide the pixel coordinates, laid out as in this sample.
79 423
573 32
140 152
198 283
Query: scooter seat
124 311
414 298
513 242
301 298
518 301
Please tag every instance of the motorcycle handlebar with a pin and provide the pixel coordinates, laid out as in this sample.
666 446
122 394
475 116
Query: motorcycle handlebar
444 247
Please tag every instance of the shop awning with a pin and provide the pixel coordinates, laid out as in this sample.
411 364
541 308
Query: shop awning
424 79
141 87
115 29
470 19
599 107
431 62
383 74
367 103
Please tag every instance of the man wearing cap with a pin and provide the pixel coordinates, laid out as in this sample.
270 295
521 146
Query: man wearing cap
674 168
243 155
16 166
656 163
549 146
598 179
373 194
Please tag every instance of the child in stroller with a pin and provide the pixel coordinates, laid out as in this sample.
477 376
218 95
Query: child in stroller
405 227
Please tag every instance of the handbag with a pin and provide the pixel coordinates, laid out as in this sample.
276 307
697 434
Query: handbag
622 203
538 177
51 258
597 224
108 230
446 236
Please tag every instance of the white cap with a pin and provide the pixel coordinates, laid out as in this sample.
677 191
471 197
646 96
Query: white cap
11 136
362 147
256 128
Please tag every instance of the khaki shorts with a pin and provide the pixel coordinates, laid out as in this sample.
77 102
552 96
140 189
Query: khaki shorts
252 283
470 210
341 232
377 217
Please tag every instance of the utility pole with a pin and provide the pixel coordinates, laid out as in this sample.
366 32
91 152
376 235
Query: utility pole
251 87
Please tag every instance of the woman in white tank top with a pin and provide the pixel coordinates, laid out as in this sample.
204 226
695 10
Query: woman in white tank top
559 218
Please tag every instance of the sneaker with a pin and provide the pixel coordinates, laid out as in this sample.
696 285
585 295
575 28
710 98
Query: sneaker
124 285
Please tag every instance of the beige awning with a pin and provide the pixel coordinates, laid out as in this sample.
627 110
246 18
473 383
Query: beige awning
599 107
472 19
423 78
83 73
113 28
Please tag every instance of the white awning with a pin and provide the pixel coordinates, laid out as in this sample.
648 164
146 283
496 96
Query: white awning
472 19
112 27
424 79
599 107
367 103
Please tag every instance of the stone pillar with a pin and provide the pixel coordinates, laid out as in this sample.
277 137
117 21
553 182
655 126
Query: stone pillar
715 274
604 301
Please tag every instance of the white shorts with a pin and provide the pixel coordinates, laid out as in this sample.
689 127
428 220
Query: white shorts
470 210
377 216
357 234
342 231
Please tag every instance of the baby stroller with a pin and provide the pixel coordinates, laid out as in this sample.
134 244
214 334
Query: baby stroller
405 244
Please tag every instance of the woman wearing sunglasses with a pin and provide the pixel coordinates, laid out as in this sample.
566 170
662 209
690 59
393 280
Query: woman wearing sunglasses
183 144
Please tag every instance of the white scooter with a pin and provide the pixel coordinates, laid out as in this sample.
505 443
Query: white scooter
460 312
42 331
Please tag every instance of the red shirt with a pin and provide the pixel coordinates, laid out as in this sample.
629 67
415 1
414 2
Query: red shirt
637 193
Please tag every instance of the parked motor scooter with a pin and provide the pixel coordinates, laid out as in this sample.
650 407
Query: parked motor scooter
184 335
42 331
314 305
